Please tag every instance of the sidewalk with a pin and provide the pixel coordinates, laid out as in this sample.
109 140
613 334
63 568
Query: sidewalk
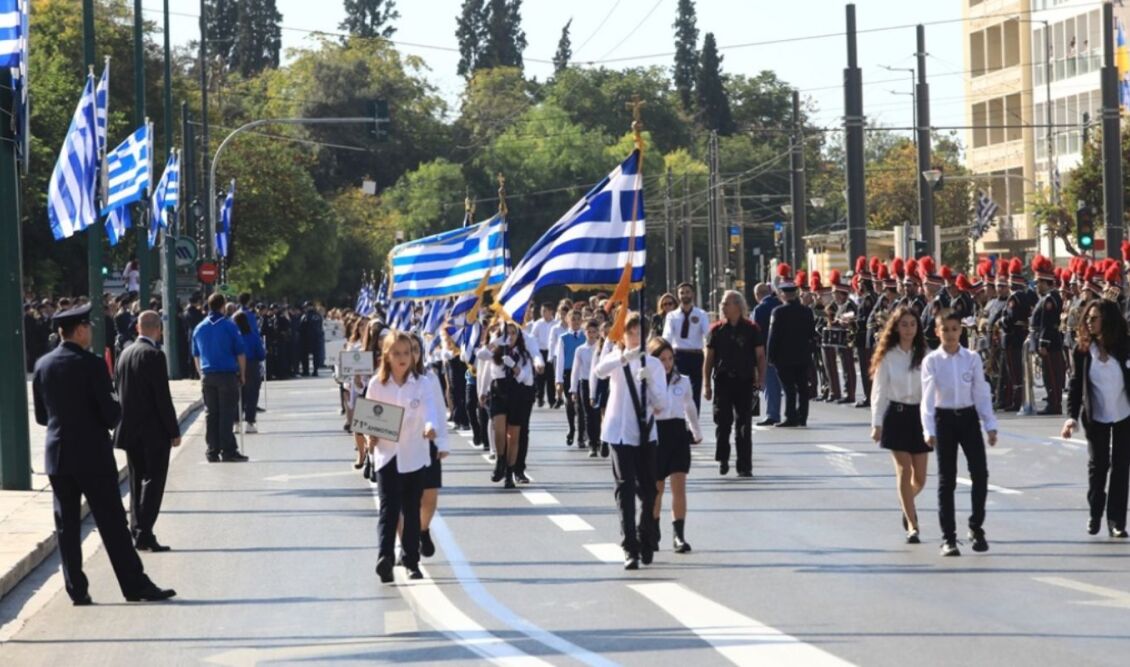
27 527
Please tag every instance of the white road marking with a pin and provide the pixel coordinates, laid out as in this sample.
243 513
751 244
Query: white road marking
840 450
570 522
248 657
607 552
740 639
965 481
400 622
311 475
540 497
1112 597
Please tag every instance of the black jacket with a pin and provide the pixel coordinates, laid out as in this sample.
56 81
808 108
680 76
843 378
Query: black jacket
1079 388
790 327
148 416
74 400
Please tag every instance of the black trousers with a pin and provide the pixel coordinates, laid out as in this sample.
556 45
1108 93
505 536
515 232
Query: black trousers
689 363
249 392
478 427
105 502
148 471
960 428
864 354
634 468
400 495
570 406
733 410
221 405
1055 374
1108 449
1014 368
524 436
591 414
457 381
793 381
543 384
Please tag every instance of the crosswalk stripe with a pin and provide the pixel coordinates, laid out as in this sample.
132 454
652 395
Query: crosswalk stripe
570 522
540 497
606 552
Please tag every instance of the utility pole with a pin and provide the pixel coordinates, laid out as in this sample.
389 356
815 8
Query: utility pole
15 449
209 197
798 186
144 255
713 271
94 232
925 188
853 138
188 172
169 265
739 249
688 232
1112 152
669 234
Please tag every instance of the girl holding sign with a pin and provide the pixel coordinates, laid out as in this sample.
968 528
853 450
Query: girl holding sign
400 461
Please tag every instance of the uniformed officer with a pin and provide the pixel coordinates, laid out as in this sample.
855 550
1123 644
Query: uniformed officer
735 364
936 300
791 325
821 295
1014 334
686 328
912 281
863 339
846 316
73 399
1044 328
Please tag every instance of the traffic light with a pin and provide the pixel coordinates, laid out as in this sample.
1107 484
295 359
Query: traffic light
381 121
1085 228
920 249
105 271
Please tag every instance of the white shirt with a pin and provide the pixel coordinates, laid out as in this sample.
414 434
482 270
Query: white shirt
582 368
680 404
696 335
540 331
133 280
953 382
896 381
1109 404
620 425
438 402
607 347
534 350
420 414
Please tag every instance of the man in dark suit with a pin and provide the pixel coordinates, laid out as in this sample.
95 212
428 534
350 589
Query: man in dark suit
148 427
74 400
791 327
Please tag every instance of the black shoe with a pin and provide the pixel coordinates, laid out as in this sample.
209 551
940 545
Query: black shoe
845 401
863 404
1048 411
604 450
427 547
1116 531
83 601
509 483
541 404
723 468
655 538
646 554
259 409
347 427
788 424
212 458
681 546
414 573
1093 526
631 562
767 422
520 477
151 544
151 593
977 537
367 468
912 537
745 473
593 452
949 548
384 570
569 440
234 457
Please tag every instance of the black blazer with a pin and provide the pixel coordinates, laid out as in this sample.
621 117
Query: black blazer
1079 389
75 401
148 416
791 327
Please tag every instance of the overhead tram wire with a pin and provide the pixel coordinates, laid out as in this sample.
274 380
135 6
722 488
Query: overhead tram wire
599 26
633 30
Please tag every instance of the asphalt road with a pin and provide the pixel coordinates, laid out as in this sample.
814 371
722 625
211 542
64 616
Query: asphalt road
805 564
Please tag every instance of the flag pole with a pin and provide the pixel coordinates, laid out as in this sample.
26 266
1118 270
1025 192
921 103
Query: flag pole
636 105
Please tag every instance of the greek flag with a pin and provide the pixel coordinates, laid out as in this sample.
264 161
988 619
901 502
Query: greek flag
451 263
102 106
222 236
117 223
14 54
589 245
70 193
167 193
984 212
10 32
127 170
435 314
365 305
382 294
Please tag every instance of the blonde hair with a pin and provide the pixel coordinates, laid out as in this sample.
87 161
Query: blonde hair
394 338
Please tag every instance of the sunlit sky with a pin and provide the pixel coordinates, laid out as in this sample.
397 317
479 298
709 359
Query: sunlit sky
807 47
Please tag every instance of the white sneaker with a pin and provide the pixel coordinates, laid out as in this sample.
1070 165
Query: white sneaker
250 428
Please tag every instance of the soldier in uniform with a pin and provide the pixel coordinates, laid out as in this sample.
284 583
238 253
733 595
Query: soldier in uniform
936 300
991 315
1014 333
790 323
734 365
845 317
73 399
1044 329
864 339
911 284
819 297
884 305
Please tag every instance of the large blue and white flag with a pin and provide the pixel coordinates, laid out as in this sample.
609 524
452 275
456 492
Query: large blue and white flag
102 106
128 169
223 235
451 263
589 245
167 193
21 121
10 32
70 192
117 222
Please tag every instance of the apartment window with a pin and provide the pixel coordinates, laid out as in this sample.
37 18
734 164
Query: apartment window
1041 133
977 53
980 119
993 48
1060 119
1059 48
1038 55
1014 117
996 120
1015 191
1073 118
1011 43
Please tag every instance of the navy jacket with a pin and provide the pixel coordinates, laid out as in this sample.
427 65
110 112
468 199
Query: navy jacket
75 401
149 419
790 330
763 312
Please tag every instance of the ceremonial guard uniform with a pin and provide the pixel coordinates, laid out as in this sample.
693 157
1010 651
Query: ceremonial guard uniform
1044 327
863 342
936 300
846 317
1014 333
912 282
821 311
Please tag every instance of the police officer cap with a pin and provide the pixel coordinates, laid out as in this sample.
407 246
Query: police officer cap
76 315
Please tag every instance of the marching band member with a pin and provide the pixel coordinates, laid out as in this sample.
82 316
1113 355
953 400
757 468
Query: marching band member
821 296
678 427
911 284
863 339
1044 326
846 317
936 299
1014 334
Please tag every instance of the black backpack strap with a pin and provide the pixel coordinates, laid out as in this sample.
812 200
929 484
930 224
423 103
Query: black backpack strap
641 419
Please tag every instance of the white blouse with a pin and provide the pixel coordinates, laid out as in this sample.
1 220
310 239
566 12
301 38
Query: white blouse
439 403
896 381
680 404
420 414
582 368
620 425
1109 404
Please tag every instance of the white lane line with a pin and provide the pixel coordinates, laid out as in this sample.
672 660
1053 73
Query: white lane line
570 522
965 481
1112 597
740 639
309 475
540 497
607 552
840 450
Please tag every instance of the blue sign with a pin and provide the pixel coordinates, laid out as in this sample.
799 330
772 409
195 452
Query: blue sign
734 231
778 226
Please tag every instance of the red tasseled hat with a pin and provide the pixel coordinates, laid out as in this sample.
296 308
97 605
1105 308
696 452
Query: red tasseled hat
947 274
888 279
962 282
911 272
1002 272
1016 272
836 281
875 264
1091 279
898 267
814 283
1126 251
926 269
861 265
1042 267
802 280
1113 277
785 277
855 282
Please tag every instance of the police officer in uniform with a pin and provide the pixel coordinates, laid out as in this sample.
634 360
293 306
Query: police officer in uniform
791 325
686 328
1044 329
74 400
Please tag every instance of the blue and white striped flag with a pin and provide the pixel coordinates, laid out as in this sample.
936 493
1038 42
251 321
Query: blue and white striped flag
364 305
10 31
451 263
589 245
382 294
223 236
117 223
435 314
166 194
21 122
127 170
102 106
70 193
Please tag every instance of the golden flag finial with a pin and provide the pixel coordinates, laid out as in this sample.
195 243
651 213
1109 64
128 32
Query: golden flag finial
468 204
502 209
636 106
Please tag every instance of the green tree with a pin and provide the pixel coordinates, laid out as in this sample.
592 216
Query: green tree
713 104
222 27
469 32
492 101
564 50
364 239
426 200
258 39
686 53
370 18
503 37
1085 182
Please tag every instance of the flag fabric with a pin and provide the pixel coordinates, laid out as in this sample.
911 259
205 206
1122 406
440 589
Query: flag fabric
365 304
984 212
117 222
127 170
70 192
10 32
435 314
102 107
451 263
382 295
224 233
166 194
22 112
588 246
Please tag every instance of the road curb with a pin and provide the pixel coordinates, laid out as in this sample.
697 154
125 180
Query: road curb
45 547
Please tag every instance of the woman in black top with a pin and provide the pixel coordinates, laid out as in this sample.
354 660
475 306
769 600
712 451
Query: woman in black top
1098 398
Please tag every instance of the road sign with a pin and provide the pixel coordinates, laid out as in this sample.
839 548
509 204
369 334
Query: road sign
207 273
185 251
778 226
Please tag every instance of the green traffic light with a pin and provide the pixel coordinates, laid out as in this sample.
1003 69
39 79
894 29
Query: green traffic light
1086 241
